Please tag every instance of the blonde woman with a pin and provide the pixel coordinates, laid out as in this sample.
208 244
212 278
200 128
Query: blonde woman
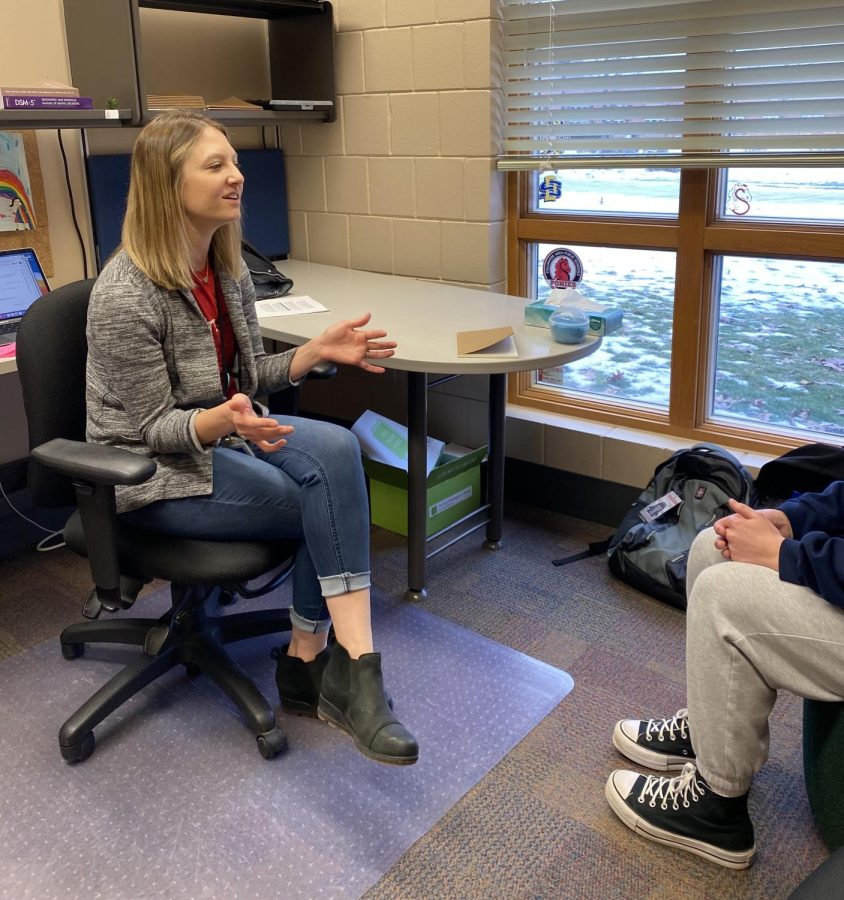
175 356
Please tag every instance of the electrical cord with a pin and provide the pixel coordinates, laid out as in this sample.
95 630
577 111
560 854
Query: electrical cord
72 203
41 546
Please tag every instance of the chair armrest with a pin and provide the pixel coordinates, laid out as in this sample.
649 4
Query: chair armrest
323 370
94 470
95 463
286 402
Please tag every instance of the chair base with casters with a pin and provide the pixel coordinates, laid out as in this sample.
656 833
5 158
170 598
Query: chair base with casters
185 635
195 640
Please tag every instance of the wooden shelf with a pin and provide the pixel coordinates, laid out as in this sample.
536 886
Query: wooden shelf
64 118
251 9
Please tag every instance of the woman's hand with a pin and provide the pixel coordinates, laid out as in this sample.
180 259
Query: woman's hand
236 416
751 535
264 433
345 343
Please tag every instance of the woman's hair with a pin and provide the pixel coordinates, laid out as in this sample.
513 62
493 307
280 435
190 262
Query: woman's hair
155 232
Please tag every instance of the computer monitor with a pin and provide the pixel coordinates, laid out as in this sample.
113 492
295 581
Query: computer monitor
265 223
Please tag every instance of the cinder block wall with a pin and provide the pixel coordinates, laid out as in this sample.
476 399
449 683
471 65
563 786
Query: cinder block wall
404 182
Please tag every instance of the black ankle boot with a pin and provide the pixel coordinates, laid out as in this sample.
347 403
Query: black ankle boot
353 698
299 682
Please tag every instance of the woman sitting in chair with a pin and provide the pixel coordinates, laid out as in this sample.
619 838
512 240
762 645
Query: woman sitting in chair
175 354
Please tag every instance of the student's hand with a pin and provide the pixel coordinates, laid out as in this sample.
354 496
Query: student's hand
346 343
777 518
246 423
751 535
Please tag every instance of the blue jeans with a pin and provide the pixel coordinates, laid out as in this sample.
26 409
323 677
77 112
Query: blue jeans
312 490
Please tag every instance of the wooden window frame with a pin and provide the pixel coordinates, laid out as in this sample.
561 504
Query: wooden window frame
697 236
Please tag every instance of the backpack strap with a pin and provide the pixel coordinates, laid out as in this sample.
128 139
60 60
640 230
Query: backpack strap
594 549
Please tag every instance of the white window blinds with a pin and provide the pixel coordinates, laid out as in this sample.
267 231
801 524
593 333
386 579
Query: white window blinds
627 82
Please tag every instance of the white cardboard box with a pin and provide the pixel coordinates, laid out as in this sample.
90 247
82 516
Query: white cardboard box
384 440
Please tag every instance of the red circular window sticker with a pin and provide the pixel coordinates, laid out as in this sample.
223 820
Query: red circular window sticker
562 268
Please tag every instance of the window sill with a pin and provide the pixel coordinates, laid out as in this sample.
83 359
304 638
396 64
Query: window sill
613 453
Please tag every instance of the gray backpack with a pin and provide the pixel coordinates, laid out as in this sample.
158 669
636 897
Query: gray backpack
688 492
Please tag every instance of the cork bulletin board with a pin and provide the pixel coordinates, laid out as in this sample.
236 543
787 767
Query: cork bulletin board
36 234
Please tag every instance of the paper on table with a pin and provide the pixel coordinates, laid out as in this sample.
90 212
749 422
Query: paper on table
288 306
489 343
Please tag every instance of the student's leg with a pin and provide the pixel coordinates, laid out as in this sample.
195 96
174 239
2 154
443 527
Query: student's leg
665 744
748 636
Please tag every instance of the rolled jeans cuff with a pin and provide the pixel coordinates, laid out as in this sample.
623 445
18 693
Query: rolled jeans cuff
311 626
344 583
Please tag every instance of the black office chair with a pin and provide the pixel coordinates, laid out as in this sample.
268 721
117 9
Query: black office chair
65 470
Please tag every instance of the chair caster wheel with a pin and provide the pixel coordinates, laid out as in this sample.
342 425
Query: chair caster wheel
226 598
272 743
72 651
79 752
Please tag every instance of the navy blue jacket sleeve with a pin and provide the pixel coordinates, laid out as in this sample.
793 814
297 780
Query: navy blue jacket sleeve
814 557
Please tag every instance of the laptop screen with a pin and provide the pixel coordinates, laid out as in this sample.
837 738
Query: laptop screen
22 282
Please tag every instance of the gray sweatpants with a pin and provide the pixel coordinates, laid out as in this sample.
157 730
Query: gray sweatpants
749 635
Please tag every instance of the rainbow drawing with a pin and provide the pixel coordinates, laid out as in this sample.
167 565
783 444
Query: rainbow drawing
15 203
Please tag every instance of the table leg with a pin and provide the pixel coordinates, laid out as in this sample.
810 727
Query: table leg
417 431
495 460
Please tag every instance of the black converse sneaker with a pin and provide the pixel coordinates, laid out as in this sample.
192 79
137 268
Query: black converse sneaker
684 812
661 744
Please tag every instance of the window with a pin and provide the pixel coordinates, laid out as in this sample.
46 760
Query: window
787 315
734 319
689 152
636 364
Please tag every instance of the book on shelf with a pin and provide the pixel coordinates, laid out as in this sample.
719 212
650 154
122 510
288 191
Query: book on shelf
42 88
44 101
175 101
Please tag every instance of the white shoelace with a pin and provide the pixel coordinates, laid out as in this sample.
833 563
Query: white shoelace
684 787
678 721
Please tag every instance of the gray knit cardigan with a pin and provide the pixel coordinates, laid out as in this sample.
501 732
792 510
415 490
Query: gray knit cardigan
152 366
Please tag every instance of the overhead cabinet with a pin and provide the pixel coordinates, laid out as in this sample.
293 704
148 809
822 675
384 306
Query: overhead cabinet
106 47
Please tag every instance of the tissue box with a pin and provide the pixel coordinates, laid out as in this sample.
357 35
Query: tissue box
384 440
453 491
538 313
601 323
605 322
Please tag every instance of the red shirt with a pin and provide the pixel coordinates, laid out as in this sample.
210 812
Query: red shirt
209 296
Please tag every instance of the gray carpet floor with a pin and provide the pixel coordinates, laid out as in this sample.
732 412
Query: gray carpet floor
537 824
